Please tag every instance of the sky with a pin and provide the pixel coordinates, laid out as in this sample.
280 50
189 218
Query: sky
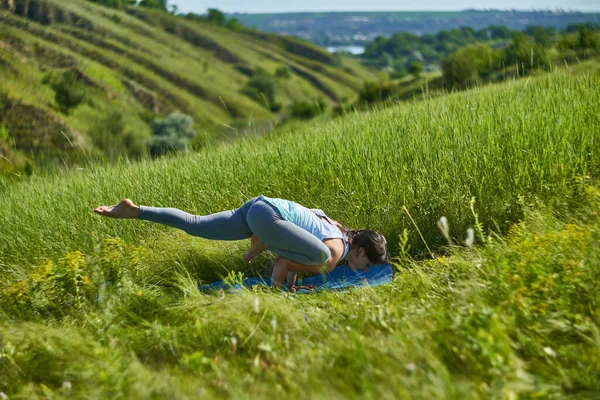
272 6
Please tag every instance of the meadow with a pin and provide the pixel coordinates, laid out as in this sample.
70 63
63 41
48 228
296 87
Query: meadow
99 308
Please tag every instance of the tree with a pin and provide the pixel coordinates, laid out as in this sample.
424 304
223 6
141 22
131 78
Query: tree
459 70
216 16
171 134
159 4
587 42
541 35
69 91
525 54
415 69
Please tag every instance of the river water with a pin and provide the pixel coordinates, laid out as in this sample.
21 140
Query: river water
354 49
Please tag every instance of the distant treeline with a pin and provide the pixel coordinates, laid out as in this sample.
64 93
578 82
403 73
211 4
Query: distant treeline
361 28
477 59
403 49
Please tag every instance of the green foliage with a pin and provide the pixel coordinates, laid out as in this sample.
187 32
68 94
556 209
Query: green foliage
234 278
525 54
283 72
415 69
403 49
215 16
172 134
262 88
108 134
373 92
115 3
233 24
307 110
4 135
541 35
52 289
70 92
158 4
72 285
469 66
585 44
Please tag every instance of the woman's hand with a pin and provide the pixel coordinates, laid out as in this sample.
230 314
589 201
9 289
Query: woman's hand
305 287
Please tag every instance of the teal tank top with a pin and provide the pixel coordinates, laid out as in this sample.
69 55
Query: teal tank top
308 219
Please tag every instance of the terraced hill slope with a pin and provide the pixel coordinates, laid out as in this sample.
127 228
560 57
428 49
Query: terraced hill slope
139 64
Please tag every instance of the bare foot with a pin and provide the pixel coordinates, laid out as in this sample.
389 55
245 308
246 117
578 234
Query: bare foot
125 209
257 246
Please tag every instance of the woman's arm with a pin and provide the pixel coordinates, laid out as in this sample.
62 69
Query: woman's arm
284 266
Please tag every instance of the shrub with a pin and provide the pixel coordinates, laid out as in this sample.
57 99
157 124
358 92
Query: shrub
172 134
307 110
70 92
415 69
468 65
373 92
233 24
283 72
109 136
261 88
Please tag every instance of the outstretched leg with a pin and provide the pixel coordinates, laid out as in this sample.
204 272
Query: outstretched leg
224 225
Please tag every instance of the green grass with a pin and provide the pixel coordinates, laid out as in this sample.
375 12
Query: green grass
501 144
516 316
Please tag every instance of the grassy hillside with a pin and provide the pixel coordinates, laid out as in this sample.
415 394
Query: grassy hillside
139 65
110 308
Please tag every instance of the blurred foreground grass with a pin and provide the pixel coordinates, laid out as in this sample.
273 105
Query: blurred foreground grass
517 317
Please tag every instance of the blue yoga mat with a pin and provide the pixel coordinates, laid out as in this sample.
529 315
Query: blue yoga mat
341 277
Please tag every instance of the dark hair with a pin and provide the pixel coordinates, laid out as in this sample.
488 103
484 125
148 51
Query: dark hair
373 242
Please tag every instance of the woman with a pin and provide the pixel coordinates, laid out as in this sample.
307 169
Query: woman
306 240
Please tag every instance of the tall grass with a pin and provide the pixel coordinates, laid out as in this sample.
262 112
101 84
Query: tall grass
120 315
504 145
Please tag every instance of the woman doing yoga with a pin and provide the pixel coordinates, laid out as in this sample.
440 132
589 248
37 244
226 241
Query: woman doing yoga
306 240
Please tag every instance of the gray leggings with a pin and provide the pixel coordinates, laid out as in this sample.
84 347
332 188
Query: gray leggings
255 216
